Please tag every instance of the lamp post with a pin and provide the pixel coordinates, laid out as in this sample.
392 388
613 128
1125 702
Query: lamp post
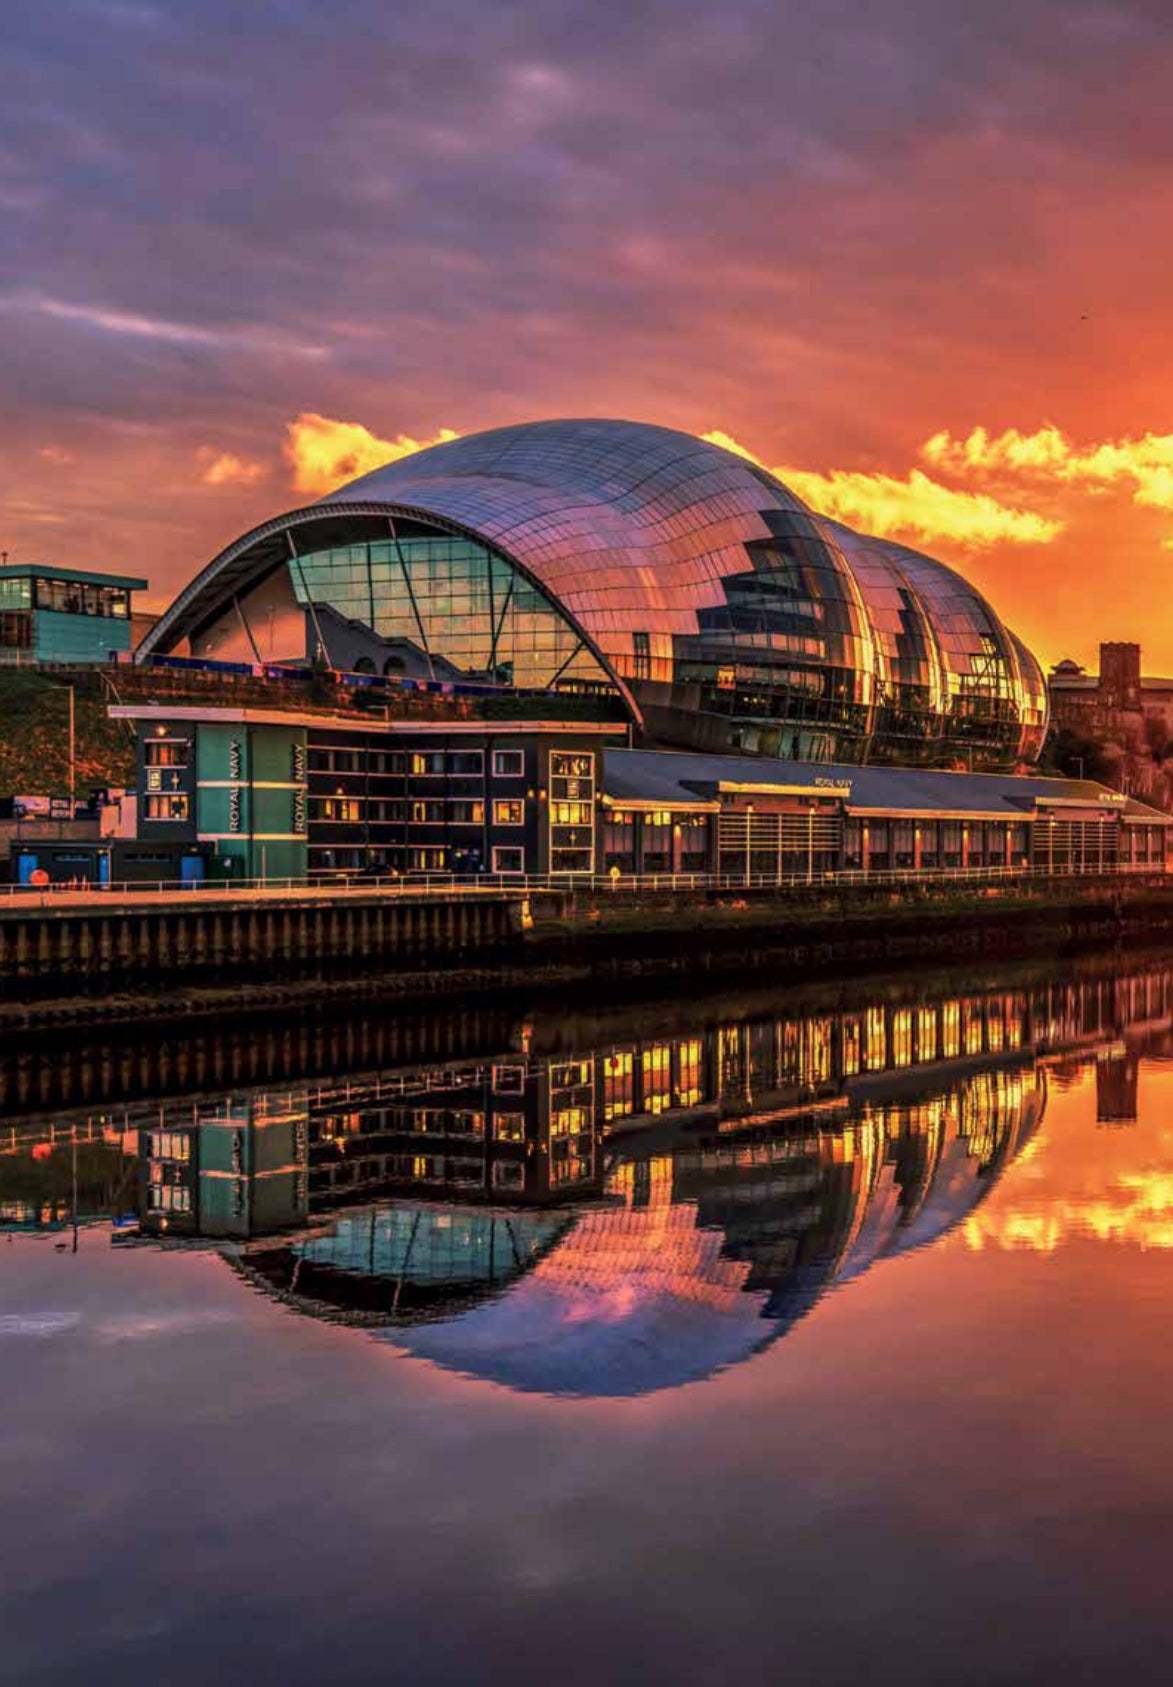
72 745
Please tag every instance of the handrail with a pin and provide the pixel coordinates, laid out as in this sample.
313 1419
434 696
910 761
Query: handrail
522 884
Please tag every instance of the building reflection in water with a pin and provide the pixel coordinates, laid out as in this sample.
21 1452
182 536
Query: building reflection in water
613 1219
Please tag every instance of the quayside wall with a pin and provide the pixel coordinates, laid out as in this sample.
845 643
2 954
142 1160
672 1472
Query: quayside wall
132 956
119 940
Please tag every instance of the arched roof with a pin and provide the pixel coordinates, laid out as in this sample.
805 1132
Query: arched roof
632 528
610 517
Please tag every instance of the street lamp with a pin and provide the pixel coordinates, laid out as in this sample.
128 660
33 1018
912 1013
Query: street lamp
72 745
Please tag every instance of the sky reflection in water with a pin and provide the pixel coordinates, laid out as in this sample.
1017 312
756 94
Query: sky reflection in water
614 1420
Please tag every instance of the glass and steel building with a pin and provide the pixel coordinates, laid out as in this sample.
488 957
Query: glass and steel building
616 557
66 615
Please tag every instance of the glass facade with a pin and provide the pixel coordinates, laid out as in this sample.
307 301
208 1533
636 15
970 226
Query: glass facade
454 599
15 593
581 554
953 677
83 597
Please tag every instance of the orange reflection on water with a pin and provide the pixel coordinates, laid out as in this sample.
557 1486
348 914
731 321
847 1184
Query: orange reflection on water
1083 1180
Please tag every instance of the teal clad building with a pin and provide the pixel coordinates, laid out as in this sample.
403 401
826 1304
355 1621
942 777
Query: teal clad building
229 780
250 799
64 615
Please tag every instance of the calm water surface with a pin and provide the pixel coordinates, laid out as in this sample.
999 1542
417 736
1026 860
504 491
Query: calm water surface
820 1335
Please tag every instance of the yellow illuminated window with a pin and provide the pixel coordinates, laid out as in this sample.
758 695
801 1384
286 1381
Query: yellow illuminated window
875 1040
926 1034
657 1078
689 1056
617 1085
951 1030
852 1047
902 1037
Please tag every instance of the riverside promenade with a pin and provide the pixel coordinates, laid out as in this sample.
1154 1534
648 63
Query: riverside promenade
141 951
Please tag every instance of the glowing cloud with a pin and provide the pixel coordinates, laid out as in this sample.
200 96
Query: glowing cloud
922 508
224 468
915 507
1144 465
325 453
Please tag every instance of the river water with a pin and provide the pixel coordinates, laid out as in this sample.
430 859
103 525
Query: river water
809 1332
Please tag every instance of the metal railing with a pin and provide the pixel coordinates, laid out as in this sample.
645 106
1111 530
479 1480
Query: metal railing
523 884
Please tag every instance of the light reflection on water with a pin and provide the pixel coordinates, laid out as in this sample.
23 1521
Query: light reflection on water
796 1254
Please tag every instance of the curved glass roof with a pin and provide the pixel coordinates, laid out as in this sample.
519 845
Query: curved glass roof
729 614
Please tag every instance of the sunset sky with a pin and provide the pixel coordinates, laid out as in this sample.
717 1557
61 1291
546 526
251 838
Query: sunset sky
916 255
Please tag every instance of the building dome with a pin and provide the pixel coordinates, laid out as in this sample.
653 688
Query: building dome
612 556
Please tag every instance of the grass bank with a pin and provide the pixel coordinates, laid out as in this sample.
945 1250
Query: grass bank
34 735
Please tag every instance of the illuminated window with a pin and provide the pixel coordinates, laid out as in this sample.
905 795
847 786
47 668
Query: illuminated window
852 1047
951 1030
508 811
166 752
657 1078
428 860
618 1100
875 1040
567 1075
569 1121
173 806
926 1034
170 1145
344 809
819 1058
466 813
689 1057
509 1127
902 1037
169 1198
570 813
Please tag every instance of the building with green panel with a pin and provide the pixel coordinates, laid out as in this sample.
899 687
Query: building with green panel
64 615
237 786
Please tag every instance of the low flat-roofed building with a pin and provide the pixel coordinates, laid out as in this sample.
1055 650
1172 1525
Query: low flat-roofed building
269 793
282 794
794 819
66 615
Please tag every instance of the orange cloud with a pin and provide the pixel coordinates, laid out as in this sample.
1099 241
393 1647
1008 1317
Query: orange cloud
1143 465
921 508
325 453
224 468
916 507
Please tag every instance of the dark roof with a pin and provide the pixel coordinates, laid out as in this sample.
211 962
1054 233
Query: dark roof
86 576
1067 681
671 777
